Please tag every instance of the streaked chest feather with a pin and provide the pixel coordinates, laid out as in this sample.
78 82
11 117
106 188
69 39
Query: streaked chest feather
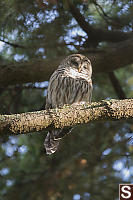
68 90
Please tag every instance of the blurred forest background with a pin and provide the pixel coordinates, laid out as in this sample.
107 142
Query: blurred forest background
95 158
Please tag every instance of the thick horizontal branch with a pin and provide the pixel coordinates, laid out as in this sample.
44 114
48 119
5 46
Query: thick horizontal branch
67 116
40 70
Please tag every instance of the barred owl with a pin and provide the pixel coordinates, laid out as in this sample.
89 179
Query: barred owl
70 83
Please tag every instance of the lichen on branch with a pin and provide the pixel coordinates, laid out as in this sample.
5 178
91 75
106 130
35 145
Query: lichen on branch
67 116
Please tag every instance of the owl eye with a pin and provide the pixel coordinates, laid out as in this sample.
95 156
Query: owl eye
74 63
85 67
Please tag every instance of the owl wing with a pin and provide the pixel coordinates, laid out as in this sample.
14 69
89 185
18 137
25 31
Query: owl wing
50 143
90 90
51 90
48 103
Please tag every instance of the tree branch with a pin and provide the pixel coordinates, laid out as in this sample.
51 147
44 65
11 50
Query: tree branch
116 85
67 116
13 44
96 34
40 70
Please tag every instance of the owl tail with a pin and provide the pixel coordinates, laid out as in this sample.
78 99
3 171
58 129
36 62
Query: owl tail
53 137
51 144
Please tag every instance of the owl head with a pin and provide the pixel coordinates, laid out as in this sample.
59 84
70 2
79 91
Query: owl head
78 63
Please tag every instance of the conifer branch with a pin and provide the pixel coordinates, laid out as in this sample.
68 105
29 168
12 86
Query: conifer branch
39 70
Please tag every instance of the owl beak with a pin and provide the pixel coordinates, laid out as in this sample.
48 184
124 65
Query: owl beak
79 69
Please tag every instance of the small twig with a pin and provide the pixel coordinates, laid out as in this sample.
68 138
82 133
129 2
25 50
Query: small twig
100 7
26 87
13 44
116 85
102 15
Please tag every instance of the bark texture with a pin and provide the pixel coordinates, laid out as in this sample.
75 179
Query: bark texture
40 70
67 116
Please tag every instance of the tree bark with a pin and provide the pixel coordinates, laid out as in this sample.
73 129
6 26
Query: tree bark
40 70
67 116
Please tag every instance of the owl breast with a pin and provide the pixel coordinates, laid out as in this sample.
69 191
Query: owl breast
67 90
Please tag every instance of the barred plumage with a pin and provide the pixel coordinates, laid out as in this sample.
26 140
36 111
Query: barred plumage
70 83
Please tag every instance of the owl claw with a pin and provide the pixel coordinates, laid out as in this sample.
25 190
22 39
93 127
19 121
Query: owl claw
79 103
55 138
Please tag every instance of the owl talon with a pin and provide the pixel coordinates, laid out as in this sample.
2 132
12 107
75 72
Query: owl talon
79 103
57 138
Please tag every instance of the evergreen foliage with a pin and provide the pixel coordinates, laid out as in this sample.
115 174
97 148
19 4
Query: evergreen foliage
95 158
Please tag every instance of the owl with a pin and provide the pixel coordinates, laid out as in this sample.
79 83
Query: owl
70 83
